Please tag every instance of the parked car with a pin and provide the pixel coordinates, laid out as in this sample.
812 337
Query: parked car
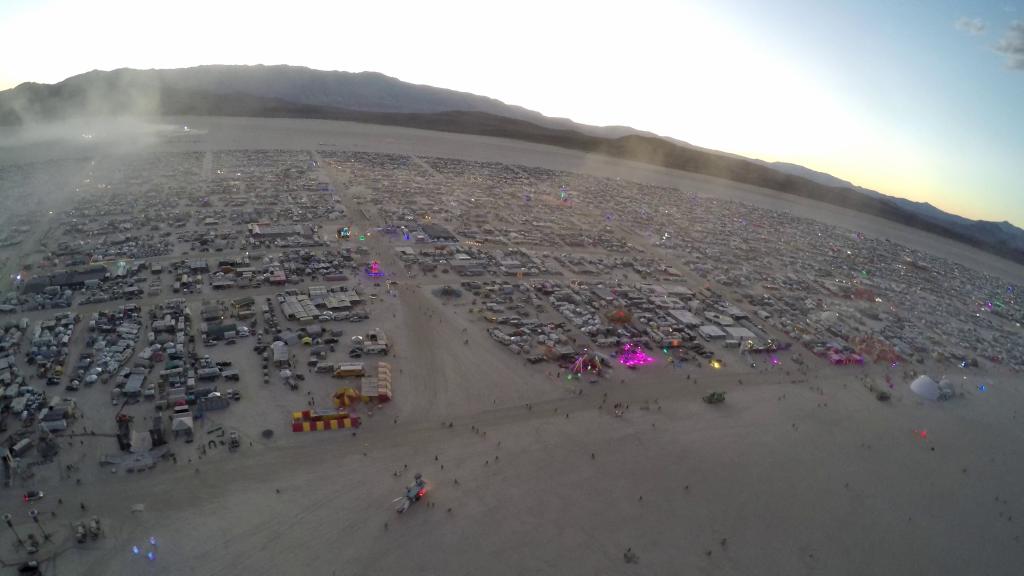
33 495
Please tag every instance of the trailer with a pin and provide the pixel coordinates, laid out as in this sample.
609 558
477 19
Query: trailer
349 369
22 447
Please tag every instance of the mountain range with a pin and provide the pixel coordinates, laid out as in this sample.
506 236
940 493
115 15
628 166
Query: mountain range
298 92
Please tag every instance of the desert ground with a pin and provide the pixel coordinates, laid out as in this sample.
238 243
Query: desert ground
800 471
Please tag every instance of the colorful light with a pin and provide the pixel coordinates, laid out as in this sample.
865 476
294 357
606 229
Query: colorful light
373 270
586 361
633 355
135 550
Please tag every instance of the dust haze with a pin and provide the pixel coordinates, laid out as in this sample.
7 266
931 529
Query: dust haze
109 110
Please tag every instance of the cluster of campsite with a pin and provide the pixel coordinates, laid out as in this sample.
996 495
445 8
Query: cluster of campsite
195 306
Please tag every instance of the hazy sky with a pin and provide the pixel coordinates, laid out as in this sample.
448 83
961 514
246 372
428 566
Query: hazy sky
922 99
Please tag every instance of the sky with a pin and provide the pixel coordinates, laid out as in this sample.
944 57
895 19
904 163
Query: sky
922 99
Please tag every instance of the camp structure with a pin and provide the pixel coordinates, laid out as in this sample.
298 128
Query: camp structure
310 421
377 387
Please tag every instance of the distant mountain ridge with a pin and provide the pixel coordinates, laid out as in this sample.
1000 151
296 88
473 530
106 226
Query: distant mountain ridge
805 172
361 91
980 230
297 92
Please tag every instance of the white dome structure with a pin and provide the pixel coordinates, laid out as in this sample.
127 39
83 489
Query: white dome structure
929 389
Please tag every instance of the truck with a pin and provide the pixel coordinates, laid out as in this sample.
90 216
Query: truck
375 349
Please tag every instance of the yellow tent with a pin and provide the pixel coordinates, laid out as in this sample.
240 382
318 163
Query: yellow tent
345 397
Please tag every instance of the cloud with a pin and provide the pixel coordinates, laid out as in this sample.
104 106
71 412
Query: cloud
1012 45
973 26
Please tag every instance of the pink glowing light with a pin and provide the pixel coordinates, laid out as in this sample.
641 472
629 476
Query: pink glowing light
373 270
633 355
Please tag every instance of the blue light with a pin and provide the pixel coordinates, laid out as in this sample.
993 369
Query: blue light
151 555
135 550
152 540
982 388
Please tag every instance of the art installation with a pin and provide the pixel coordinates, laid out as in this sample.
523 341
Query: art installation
632 355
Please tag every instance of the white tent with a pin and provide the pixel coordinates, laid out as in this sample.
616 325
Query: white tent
182 424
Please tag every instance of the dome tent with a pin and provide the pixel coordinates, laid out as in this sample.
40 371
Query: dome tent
929 389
